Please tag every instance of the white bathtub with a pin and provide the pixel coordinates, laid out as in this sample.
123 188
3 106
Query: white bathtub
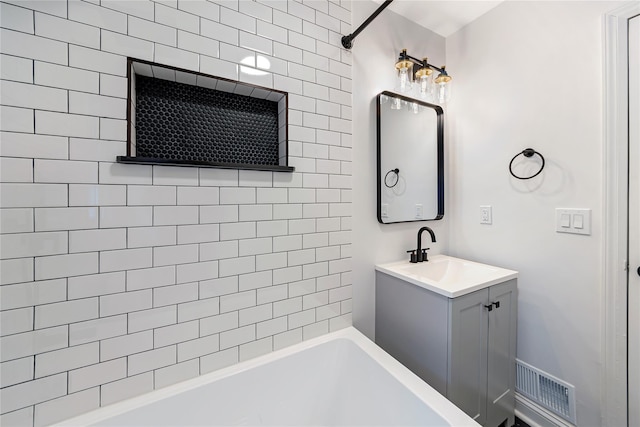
339 379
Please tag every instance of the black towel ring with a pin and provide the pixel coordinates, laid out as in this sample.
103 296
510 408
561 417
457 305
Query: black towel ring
396 171
528 152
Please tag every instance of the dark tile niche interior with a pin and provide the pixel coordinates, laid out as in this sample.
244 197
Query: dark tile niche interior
187 124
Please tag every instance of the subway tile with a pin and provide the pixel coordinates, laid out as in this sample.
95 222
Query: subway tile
67 31
176 58
328 253
65 171
219 177
25 95
300 226
141 9
197 271
218 360
198 309
152 31
302 287
171 255
271 228
271 327
125 259
16 18
237 20
271 294
97 330
198 196
167 175
176 373
198 347
97 195
234 266
272 32
256 43
33 244
16 119
97 105
98 374
237 230
21 417
255 212
125 45
95 60
114 217
97 16
315 329
272 195
66 359
32 293
116 130
237 336
14 68
287 243
214 324
255 314
174 334
256 348
217 287
95 150
255 246
218 68
218 250
286 52
34 47
33 392
114 348
125 302
288 306
175 215
306 43
286 275
16 321
204 9
50 219
255 280
51 123
113 86
127 387
150 278
33 146
271 261
301 318
169 295
16 371
218 214
198 233
151 236
317 32
97 240
35 342
65 312
327 311
218 31
306 256
53 267
175 18
154 318
198 44
66 407
149 360
256 10
237 301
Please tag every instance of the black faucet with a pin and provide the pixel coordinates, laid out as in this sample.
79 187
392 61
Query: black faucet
421 254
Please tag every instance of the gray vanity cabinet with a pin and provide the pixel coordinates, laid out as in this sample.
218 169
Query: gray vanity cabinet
457 345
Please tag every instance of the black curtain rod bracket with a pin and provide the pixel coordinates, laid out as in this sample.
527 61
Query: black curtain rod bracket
347 41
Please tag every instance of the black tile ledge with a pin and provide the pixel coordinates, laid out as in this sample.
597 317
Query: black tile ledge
197 164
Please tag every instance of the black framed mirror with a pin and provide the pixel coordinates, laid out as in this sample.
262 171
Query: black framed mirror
410 160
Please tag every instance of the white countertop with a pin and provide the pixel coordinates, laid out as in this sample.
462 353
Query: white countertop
448 276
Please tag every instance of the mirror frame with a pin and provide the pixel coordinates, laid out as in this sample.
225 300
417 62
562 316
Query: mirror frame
440 148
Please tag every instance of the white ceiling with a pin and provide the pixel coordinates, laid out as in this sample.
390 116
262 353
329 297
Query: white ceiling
443 17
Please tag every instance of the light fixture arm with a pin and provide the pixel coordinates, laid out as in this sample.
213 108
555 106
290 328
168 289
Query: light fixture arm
420 62
347 41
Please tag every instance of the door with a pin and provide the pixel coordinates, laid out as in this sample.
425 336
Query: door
634 224
501 354
468 352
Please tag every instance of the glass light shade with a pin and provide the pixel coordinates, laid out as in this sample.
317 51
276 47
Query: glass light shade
404 80
443 91
426 86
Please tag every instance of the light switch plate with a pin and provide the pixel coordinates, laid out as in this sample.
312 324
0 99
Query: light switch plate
486 215
574 221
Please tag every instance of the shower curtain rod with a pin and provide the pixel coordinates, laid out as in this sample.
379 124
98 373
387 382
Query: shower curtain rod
347 41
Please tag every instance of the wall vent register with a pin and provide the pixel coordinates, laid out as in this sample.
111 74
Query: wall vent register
182 118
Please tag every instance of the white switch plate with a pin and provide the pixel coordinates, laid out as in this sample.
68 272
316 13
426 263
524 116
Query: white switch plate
579 221
486 216
419 211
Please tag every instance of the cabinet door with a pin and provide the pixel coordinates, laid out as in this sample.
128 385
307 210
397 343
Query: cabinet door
501 354
468 354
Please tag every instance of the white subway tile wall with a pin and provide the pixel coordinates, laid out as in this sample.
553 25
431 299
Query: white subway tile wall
120 279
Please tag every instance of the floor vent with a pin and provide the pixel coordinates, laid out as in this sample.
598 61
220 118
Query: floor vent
546 390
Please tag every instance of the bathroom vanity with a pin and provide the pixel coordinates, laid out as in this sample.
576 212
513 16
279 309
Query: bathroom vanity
453 323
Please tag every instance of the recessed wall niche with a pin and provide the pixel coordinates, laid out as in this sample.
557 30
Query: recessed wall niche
184 118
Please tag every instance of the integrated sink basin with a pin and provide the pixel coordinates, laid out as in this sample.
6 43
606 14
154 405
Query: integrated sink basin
447 275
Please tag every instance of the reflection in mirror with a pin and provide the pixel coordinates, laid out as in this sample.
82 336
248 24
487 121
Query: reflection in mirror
410 159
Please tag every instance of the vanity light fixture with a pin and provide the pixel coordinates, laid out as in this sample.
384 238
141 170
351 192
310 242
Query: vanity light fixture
408 67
